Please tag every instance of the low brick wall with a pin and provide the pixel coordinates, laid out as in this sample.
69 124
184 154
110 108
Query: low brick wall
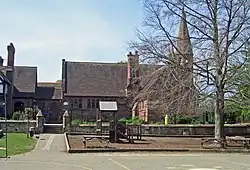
174 130
17 125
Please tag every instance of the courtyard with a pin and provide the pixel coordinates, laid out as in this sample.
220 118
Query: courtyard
50 154
76 143
129 161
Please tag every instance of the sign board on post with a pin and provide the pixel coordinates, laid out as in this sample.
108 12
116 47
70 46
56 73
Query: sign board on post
108 106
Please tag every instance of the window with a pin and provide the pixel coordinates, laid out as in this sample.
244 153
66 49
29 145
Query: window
80 103
71 103
75 103
88 104
93 104
97 103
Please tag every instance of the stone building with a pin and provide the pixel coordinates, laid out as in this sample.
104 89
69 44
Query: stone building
84 84
26 92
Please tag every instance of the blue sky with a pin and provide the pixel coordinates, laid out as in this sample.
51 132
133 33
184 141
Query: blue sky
44 32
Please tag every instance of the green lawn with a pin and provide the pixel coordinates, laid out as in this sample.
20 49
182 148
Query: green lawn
18 143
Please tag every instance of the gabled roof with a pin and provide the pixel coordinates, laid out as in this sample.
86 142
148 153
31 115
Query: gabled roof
99 79
96 79
24 81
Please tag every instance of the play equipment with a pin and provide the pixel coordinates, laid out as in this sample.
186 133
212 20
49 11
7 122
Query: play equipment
117 131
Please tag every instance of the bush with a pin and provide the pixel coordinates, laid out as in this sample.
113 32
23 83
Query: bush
180 119
132 121
29 113
18 116
88 123
76 122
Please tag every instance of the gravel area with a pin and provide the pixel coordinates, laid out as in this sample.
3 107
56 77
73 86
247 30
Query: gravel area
76 142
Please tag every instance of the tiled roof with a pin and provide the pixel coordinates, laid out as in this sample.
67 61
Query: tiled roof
99 79
48 90
96 79
25 79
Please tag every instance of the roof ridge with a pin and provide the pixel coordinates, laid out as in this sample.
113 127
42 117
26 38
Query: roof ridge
92 62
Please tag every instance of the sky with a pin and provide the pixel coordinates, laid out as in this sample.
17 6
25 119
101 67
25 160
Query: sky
44 32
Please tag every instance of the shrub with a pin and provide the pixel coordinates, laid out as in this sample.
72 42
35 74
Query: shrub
180 119
18 116
87 123
76 122
132 121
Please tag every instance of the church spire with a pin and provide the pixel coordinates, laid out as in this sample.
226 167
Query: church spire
183 43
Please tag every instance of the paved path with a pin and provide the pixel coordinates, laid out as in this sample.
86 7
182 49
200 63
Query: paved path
50 154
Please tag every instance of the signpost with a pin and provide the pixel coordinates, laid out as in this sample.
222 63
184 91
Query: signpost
4 82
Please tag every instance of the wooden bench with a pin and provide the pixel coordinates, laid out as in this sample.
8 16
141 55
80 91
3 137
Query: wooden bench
134 131
228 142
91 137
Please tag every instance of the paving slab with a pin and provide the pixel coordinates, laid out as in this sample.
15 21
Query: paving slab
50 154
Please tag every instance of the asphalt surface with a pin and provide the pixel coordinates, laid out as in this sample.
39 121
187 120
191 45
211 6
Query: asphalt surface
50 154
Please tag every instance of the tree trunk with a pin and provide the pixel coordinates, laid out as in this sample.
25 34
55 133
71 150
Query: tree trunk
219 115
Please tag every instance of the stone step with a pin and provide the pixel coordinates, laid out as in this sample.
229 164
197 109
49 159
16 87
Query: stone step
53 128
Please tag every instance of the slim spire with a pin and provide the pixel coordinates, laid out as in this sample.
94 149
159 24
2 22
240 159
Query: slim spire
183 43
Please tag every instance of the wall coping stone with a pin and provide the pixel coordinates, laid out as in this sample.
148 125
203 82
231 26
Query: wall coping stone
198 125
18 121
173 125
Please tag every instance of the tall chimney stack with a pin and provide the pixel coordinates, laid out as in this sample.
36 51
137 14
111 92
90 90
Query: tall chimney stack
11 55
133 66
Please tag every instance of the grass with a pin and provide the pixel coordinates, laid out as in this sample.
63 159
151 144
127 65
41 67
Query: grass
18 143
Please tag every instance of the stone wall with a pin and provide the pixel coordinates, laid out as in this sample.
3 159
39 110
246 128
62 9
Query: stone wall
17 125
173 130
87 129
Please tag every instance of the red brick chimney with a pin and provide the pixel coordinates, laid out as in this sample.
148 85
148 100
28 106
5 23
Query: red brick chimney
133 66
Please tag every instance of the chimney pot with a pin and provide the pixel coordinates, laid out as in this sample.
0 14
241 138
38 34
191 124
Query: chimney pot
136 52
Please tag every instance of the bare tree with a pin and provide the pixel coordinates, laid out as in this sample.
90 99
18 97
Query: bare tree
219 29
